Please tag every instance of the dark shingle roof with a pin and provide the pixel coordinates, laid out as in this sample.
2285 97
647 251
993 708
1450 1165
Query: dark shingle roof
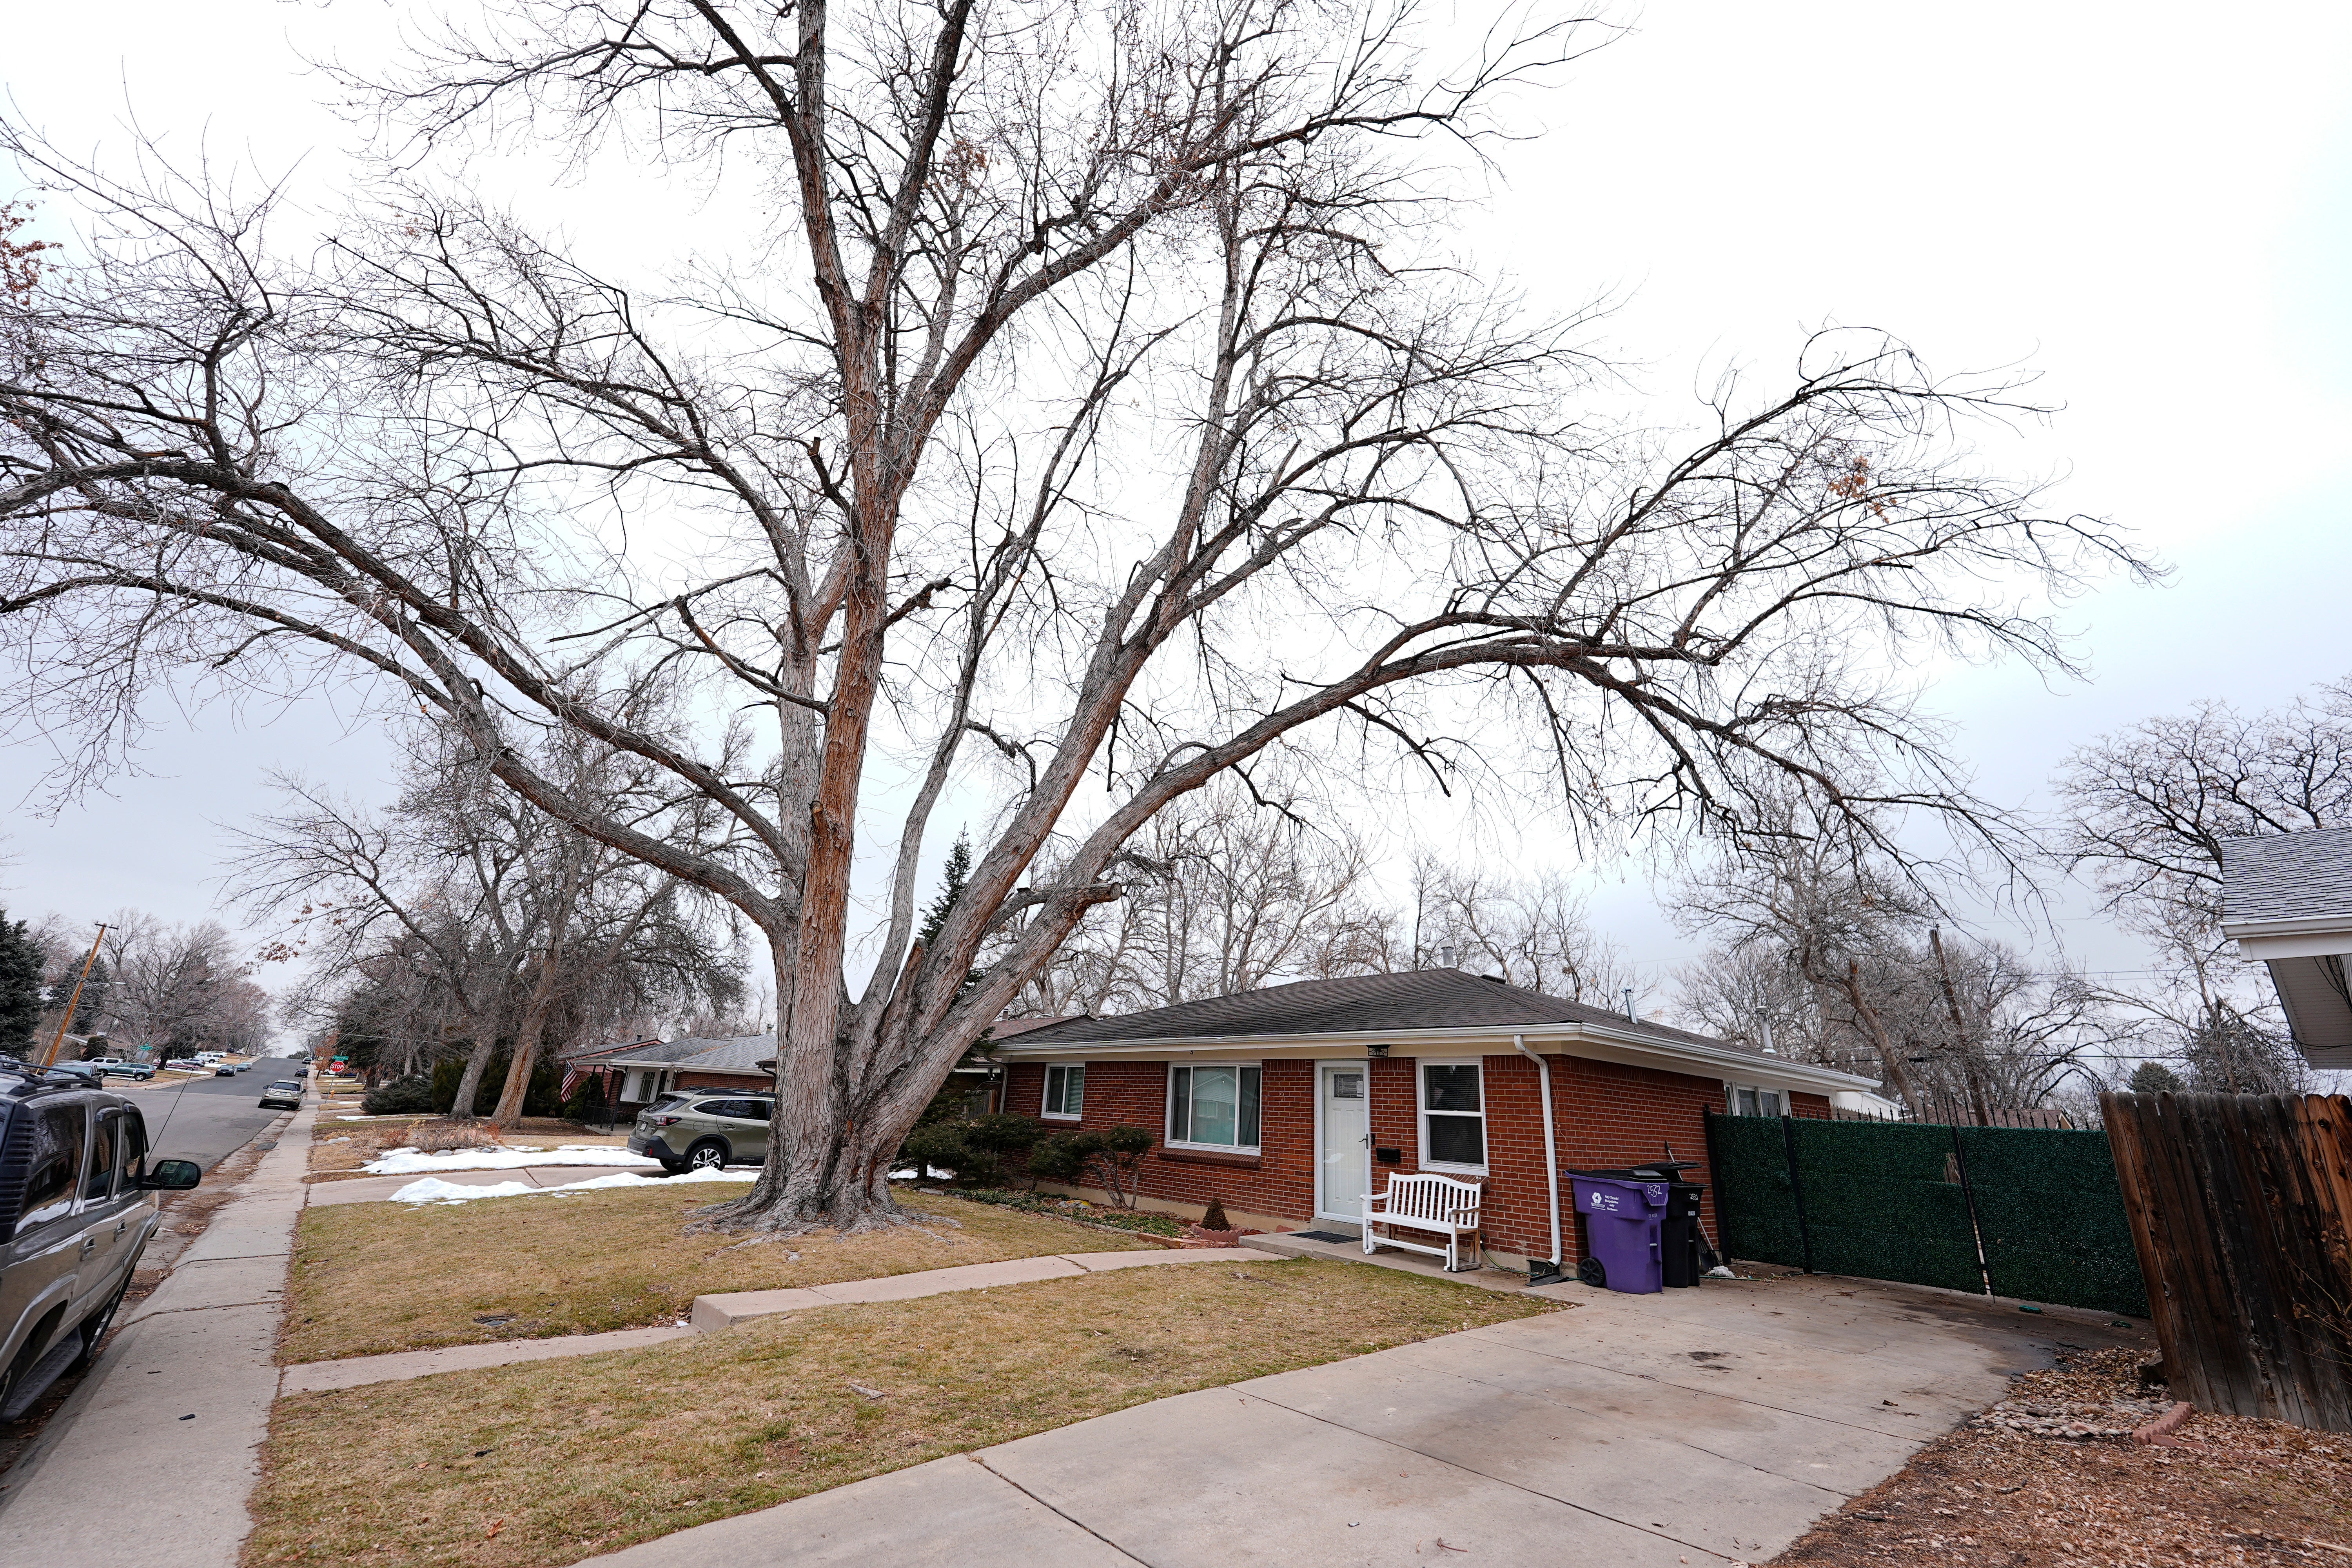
1359 1003
2287 875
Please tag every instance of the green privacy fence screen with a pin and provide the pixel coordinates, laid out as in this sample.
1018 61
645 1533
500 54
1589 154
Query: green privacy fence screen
2036 1209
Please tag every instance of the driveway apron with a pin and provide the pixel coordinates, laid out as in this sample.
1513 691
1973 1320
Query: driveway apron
1708 1426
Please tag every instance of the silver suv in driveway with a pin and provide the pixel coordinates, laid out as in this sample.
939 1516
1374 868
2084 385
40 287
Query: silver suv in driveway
688 1130
76 1209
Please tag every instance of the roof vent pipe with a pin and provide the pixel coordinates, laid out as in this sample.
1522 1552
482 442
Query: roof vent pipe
1552 1149
1629 1006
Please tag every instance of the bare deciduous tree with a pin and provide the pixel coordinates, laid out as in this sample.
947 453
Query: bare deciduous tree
1224 893
2145 812
468 914
1104 396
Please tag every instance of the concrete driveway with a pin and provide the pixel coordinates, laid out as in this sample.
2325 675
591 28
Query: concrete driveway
1698 1426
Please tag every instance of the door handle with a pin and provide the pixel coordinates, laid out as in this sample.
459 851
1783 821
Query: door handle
89 1245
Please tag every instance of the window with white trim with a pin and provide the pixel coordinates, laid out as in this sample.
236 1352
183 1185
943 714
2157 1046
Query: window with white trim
1454 1116
1749 1099
1213 1105
1066 1091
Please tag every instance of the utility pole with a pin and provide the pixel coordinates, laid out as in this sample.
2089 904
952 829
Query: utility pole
75 1000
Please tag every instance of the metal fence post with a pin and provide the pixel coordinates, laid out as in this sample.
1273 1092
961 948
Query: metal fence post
1797 1190
1969 1197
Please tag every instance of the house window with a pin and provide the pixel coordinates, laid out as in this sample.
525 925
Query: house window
1452 1116
1066 1091
1213 1107
1746 1100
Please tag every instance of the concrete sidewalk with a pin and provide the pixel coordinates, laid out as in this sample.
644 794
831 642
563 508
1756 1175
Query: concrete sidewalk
1701 1426
152 1460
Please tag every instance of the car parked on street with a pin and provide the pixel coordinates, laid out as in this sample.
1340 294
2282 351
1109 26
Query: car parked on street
285 1094
75 1212
686 1130
115 1066
222 1070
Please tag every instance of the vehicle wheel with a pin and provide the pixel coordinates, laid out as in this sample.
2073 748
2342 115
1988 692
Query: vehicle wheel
708 1155
93 1328
1592 1273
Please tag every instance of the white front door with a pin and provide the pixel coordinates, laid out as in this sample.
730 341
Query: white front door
1343 1124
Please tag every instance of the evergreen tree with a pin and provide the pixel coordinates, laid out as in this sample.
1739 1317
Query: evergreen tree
951 885
92 1006
2155 1078
20 987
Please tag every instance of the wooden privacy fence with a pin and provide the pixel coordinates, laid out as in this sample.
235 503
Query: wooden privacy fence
2238 1206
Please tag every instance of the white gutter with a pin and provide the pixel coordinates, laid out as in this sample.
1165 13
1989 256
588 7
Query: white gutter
1552 1149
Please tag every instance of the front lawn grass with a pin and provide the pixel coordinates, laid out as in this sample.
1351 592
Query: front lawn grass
538 1464
369 1279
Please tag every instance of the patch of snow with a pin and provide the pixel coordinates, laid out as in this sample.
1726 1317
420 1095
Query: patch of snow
433 1190
409 1160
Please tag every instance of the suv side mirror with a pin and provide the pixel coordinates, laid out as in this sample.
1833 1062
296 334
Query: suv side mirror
171 1176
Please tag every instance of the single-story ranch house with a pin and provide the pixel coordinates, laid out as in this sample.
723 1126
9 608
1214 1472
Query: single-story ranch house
1289 1103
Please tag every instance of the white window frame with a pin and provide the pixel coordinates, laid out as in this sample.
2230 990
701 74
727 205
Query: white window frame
1421 1114
1168 1120
1045 1094
1731 1092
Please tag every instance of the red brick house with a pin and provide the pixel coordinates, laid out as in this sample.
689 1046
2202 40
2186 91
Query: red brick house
1284 1102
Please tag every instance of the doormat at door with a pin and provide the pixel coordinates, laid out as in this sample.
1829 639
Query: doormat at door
1321 1235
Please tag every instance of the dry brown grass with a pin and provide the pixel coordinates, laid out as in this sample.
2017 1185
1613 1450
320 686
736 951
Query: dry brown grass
374 1278
528 1467
340 1149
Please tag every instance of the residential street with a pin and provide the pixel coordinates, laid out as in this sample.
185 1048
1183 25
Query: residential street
205 1119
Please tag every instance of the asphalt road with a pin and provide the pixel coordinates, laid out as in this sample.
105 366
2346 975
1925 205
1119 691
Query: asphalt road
205 1119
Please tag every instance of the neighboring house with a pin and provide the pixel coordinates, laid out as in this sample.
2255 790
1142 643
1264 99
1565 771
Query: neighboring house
1291 1102
2286 900
635 1076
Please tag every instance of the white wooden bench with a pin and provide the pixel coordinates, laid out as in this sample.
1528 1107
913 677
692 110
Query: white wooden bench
1438 1205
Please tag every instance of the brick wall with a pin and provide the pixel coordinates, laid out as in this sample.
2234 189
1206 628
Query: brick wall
1605 1114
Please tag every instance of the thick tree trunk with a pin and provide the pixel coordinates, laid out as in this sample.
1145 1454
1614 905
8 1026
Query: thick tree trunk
824 1174
470 1084
526 1057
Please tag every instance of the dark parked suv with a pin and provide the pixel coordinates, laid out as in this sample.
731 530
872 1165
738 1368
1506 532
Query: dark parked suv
74 1211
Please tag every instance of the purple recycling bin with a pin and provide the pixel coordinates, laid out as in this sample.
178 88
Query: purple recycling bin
1621 1227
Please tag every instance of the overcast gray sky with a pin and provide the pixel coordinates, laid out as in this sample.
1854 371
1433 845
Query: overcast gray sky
2148 207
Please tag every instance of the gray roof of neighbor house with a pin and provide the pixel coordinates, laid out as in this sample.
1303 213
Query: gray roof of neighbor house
1365 1004
739 1054
2287 877
1003 1029
2286 900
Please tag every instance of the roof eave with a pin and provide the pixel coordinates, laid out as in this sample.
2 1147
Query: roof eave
1597 1041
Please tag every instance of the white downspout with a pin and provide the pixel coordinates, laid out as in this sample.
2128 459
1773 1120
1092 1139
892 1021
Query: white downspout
1552 1149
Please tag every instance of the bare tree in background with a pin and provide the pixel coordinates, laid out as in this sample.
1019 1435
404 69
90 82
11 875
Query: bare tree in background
1093 357
463 911
2144 812
1226 893
1533 931
1828 955
180 989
